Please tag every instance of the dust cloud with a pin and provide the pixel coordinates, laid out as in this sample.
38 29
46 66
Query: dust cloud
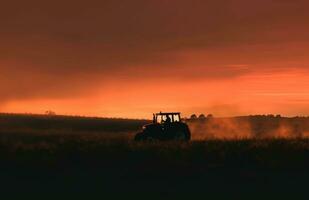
249 127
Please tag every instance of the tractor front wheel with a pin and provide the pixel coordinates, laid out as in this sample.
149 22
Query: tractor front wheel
139 137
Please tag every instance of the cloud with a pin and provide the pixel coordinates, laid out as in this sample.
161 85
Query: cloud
56 49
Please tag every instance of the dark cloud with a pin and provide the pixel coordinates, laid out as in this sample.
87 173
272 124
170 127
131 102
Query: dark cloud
72 45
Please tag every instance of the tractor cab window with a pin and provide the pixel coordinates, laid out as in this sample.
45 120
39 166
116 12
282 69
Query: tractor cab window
159 119
165 118
176 118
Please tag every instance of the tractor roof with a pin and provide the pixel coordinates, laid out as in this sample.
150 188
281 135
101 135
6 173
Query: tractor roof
171 113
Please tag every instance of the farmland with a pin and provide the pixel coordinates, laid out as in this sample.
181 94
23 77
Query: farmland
83 157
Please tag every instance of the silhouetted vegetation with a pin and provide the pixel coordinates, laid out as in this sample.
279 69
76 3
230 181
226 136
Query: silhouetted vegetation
43 123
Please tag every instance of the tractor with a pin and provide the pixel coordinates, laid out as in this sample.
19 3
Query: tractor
165 126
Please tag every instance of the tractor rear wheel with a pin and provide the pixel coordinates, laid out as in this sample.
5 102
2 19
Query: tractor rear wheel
180 135
183 135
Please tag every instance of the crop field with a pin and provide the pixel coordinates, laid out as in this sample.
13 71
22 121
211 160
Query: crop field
76 157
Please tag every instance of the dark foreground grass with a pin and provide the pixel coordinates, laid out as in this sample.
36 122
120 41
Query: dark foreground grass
113 166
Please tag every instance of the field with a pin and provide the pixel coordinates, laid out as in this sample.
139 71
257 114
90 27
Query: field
75 157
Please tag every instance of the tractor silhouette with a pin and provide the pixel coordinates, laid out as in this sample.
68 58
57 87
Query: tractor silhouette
165 126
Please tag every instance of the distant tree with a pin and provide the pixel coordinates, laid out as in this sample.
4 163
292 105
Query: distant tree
278 116
50 113
201 116
210 116
193 117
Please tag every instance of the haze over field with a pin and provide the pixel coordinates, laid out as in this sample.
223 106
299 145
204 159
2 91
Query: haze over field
132 58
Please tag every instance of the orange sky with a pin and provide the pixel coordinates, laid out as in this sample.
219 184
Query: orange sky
129 59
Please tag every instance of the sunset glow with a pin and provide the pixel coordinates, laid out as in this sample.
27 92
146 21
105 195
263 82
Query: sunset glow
226 58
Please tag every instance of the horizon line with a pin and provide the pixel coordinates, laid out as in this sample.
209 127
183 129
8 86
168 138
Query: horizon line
126 118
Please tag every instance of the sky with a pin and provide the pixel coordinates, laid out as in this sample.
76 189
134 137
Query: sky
131 58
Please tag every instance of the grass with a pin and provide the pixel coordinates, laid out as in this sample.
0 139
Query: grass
108 148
